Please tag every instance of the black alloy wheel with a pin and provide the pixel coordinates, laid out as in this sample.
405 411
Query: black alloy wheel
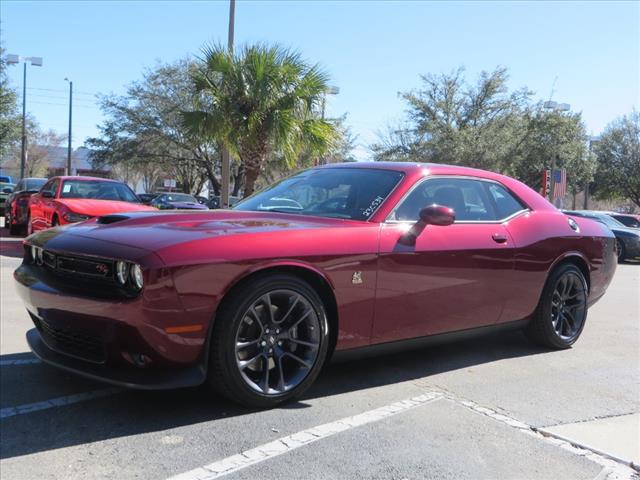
562 311
269 341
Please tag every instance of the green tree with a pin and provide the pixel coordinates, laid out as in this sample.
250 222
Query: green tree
144 131
618 154
484 125
262 100
9 118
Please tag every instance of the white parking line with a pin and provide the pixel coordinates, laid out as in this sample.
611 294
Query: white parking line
56 402
286 444
20 361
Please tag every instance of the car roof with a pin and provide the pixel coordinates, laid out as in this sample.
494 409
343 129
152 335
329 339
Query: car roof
85 179
409 167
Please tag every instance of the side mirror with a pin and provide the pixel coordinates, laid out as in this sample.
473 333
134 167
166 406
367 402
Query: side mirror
47 194
7 190
438 215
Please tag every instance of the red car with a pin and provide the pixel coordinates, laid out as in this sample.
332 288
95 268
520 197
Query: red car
335 261
64 200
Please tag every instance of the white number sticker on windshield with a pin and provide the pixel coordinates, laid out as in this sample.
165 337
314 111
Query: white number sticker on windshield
371 208
66 188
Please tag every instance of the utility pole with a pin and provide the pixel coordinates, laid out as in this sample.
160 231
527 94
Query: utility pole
592 139
23 150
226 160
36 62
70 111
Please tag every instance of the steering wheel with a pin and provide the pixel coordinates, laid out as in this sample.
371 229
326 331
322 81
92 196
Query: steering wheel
339 202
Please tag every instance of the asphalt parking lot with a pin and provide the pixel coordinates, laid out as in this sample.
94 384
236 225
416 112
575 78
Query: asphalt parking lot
493 407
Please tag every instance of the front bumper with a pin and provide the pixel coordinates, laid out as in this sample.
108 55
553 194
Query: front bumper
131 377
98 338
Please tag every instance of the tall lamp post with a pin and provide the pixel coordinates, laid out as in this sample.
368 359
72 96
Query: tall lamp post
36 62
330 91
69 135
226 160
592 139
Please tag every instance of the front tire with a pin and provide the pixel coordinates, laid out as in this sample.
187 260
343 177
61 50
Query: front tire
562 312
269 341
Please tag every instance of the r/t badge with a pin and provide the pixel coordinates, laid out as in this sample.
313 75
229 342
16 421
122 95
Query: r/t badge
356 279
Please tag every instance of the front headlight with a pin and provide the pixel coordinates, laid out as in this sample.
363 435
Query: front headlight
75 217
36 254
129 274
136 276
122 268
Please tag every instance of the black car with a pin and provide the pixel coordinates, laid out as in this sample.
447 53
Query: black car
16 211
627 239
147 198
631 221
180 201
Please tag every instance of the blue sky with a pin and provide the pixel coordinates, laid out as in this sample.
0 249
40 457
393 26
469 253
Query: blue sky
588 52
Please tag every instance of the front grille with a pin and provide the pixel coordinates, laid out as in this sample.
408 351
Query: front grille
92 268
71 342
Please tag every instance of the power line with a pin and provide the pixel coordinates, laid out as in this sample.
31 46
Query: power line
57 90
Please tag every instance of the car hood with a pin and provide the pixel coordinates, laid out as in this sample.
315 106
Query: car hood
96 208
160 229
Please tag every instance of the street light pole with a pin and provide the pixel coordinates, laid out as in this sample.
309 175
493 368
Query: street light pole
36 62
69 135
23 149
226 160
592 139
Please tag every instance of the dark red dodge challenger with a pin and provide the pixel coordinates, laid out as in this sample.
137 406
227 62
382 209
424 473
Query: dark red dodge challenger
333 261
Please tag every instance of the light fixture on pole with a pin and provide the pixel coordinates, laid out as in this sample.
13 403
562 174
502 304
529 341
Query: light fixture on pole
69 135
330 91
36 62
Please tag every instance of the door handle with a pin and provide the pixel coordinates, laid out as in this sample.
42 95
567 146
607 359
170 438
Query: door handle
499 238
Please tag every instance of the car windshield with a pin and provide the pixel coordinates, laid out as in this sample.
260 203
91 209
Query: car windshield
610 221
98 190
34 183
179 197
351 193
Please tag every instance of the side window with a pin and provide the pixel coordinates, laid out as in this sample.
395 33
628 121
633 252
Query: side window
47 186
466 197
506 204
53 187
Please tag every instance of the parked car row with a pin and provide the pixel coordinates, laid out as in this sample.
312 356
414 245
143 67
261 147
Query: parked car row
625 227
39 203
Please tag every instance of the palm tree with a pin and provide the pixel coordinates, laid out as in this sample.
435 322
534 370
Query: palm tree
260 101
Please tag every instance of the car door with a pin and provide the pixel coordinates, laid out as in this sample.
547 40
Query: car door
48 205
41 205
455 277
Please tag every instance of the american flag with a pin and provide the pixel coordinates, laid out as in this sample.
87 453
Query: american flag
559 183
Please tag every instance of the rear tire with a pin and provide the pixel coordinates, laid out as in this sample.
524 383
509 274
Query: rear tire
562 311
269 341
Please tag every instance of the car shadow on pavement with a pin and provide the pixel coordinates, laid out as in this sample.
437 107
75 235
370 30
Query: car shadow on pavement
129 413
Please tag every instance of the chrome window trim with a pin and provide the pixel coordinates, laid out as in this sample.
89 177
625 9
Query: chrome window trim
457 177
